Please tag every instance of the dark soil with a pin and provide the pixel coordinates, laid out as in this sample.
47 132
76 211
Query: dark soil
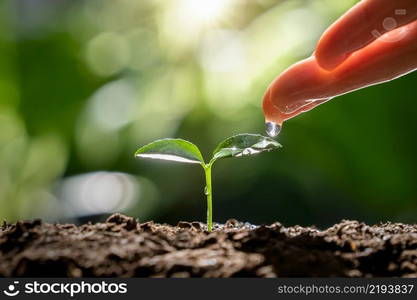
123 247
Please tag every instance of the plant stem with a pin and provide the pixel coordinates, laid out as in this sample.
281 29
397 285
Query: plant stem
208 192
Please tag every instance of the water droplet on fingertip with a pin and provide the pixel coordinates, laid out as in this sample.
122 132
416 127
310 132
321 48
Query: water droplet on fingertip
272 129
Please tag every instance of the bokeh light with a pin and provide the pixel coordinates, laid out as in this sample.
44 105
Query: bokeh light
98 193
203 12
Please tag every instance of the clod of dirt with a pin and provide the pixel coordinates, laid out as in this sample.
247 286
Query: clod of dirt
128 223
123 247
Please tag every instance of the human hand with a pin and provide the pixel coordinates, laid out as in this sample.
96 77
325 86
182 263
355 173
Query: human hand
374 42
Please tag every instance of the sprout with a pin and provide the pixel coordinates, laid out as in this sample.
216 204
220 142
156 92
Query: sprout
183 151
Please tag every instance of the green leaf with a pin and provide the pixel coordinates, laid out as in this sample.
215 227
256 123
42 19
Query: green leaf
244 145
173 150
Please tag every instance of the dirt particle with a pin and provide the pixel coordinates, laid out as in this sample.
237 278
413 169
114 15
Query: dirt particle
128 223
196 225
184 225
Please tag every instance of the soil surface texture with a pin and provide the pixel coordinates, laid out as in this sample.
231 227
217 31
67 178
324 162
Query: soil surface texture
123 247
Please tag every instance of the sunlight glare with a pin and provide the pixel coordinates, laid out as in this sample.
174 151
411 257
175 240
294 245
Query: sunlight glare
203 11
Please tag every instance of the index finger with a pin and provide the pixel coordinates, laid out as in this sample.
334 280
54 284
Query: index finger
360 26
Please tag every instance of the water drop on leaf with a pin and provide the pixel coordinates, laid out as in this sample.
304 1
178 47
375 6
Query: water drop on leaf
246 151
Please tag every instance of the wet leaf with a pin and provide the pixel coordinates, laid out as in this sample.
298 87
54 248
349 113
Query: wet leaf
173 150
244 145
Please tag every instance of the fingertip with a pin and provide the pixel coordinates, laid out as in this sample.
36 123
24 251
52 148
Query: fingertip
270 111
292 89
273 113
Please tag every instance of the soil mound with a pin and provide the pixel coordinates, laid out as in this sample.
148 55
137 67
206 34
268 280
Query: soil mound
123 247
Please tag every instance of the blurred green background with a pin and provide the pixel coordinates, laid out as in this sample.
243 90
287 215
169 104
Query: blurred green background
83 84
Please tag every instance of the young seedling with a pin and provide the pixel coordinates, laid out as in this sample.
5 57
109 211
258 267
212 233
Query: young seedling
183 151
